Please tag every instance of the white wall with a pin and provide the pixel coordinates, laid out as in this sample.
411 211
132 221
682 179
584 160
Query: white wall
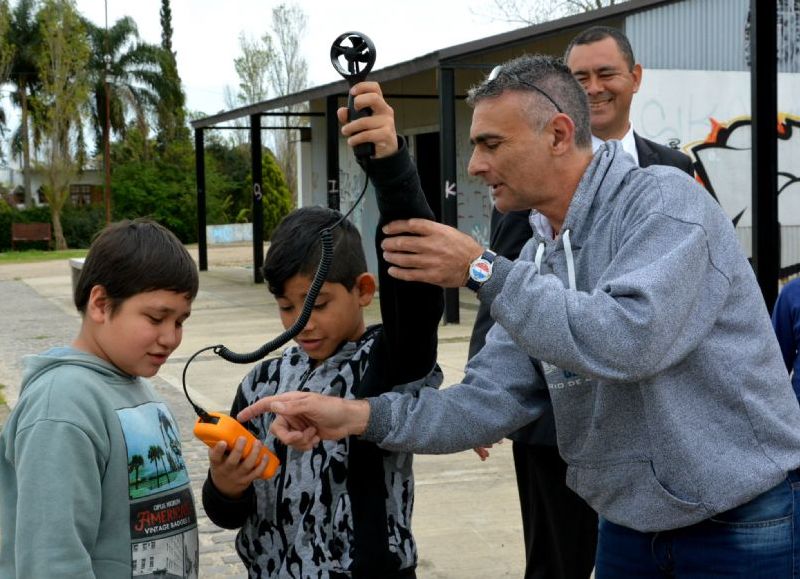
701 106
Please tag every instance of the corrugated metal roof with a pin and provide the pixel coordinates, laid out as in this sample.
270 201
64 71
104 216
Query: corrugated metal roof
697 35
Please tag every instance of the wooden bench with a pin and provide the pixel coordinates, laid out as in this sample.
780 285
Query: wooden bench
30 232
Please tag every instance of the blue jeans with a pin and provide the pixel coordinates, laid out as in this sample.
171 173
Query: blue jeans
759 539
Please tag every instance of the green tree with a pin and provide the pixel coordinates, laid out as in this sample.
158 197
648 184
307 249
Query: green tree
251 68
171 107
277 198
227 175
24 36
166 26
159 185
6 49
65 86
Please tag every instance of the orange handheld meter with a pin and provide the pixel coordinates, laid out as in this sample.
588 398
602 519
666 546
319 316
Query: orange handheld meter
215 427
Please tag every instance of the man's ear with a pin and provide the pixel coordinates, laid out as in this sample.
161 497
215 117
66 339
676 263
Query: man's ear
636 73
563 132
98 305
365 286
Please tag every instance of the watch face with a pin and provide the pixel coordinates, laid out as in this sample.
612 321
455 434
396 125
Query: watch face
480 270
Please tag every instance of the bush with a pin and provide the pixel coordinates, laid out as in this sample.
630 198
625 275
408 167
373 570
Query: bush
81 224
276 197
6 214
158 184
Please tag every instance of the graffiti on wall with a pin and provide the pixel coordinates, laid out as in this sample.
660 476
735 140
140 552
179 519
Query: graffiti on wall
723 164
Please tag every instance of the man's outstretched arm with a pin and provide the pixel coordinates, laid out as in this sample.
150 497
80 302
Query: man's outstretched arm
305 418
501 392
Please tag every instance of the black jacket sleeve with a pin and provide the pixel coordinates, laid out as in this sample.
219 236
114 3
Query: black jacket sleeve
410 311
223 511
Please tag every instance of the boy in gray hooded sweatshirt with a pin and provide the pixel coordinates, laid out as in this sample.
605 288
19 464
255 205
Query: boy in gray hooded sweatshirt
92 476
672 406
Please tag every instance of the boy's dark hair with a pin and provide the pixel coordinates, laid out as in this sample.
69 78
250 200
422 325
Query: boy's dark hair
598 33
296 247
133 257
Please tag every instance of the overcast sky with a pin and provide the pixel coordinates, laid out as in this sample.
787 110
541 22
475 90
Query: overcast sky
206 33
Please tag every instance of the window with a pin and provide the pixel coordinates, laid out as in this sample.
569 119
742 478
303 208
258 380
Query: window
80 195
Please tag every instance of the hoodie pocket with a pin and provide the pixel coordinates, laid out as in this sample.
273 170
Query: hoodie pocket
629 494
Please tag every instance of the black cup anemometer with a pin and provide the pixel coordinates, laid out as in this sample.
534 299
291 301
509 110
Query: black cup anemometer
211 427
358 54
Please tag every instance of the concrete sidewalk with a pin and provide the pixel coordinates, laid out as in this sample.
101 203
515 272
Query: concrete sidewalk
466 516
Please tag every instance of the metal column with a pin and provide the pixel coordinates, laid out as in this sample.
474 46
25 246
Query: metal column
449 172
258 203
200 176
332 150
764 95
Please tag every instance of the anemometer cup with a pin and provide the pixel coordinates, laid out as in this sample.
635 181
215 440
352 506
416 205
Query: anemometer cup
353 56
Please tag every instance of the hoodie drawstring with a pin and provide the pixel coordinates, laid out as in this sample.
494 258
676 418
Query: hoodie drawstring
538 259
570 259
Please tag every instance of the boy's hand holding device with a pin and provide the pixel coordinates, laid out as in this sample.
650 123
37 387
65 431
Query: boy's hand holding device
251 453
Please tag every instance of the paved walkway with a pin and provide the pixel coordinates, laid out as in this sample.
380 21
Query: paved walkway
466 516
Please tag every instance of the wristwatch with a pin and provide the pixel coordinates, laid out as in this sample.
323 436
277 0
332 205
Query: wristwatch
480 270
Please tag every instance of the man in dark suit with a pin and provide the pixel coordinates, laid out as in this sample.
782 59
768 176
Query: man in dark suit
560 530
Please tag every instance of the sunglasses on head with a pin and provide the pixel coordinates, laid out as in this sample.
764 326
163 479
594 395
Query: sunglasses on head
497 70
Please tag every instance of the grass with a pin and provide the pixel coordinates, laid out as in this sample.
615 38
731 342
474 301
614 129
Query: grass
32 255
2 398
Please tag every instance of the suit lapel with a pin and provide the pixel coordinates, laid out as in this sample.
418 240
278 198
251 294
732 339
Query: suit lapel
647 156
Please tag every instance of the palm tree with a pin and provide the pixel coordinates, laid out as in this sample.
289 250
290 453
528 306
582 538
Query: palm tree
154 454
6 49
136 68
24 36
171 441
137 462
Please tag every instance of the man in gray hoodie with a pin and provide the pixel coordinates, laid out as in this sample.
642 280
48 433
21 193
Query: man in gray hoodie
673 409
558 527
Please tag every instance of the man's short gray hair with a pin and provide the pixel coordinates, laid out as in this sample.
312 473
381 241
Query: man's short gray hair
552 83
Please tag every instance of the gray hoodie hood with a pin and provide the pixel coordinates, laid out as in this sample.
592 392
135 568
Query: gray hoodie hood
37 364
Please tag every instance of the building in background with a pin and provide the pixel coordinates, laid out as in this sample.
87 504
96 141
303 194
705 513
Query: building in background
695 96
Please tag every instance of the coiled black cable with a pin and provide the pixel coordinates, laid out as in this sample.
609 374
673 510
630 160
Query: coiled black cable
308 306
326 236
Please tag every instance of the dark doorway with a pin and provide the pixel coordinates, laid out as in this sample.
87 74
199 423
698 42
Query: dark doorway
426 146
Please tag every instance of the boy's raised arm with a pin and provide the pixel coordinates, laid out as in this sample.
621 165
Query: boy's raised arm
410 312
